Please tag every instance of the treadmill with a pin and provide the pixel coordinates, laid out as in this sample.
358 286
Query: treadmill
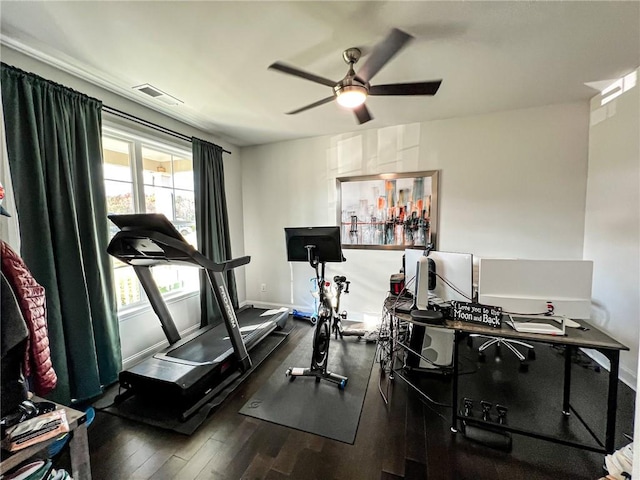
193 370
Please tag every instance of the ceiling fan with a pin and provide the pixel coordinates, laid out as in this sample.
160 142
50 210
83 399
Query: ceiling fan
354 88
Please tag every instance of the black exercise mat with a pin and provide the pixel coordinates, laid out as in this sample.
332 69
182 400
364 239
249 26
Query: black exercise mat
318 408
163 416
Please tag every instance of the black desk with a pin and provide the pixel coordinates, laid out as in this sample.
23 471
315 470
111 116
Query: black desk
575 338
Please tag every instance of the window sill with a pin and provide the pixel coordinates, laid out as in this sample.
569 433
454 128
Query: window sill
144 306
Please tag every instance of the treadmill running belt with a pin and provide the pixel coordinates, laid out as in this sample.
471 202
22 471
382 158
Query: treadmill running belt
215 342
204 348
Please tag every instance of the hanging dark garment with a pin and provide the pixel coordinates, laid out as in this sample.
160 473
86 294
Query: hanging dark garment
13 343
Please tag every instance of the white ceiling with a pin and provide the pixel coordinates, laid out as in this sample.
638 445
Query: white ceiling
214 56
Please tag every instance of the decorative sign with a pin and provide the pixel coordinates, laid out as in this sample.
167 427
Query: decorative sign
477 313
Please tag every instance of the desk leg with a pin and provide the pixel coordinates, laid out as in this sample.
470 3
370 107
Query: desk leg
612 398
454 387
79 452
566 398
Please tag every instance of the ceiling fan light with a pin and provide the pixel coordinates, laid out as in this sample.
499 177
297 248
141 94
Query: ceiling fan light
352 96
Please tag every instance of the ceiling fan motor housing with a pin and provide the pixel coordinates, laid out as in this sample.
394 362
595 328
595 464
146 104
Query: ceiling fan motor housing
351 84
351 55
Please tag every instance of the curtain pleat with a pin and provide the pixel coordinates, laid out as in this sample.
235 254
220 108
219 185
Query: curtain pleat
55 154
212 225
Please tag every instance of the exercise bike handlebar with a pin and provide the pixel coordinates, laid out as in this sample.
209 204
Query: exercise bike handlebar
342 280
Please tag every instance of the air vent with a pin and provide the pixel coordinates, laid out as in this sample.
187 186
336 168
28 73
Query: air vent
157 94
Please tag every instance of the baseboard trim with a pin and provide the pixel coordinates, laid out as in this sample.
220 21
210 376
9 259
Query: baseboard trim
153 349
625 375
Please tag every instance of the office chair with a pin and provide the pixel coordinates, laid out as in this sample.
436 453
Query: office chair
510 343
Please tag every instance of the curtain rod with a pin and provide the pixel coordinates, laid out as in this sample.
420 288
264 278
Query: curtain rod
146 123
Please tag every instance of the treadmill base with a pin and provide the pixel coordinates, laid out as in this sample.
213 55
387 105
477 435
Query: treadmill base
186 419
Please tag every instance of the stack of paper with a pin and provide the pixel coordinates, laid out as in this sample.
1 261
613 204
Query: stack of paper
541 325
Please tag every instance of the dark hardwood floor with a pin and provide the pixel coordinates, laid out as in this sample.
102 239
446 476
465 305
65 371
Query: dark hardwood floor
409 439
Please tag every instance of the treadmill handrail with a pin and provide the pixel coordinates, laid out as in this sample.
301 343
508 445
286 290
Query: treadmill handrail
195 257
221 266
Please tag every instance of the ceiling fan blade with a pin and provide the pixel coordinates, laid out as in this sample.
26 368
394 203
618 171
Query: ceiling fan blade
315 104
382 53
281 67
362 114
417 88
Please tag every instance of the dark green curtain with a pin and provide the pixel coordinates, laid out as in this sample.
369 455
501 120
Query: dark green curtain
55 157
212 223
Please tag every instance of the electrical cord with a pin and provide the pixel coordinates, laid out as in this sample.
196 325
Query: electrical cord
453 287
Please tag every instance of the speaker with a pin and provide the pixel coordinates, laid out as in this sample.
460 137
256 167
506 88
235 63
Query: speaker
437 346
433 343
425 281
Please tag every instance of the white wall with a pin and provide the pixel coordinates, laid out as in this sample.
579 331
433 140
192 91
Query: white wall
512 184
612 221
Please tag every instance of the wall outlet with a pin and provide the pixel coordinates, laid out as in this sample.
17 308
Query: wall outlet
263 287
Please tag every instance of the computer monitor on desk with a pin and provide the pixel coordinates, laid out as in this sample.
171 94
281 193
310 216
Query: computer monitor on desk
453 275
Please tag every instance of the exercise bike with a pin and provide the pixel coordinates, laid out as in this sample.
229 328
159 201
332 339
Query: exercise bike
321 244
342 286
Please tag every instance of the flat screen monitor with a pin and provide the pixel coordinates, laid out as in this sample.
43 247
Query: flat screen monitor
454 276
325 240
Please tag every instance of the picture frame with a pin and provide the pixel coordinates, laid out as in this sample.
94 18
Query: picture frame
388 211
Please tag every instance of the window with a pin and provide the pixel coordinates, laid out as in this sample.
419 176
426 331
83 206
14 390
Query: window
147 176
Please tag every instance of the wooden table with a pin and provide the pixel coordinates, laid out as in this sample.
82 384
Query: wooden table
78 445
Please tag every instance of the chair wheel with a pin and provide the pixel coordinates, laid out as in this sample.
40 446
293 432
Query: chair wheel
470 341
482 357
531 354
524 367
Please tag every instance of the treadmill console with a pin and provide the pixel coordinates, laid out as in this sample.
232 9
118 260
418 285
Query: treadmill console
148 239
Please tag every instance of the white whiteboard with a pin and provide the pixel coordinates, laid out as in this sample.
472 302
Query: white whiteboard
525 286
